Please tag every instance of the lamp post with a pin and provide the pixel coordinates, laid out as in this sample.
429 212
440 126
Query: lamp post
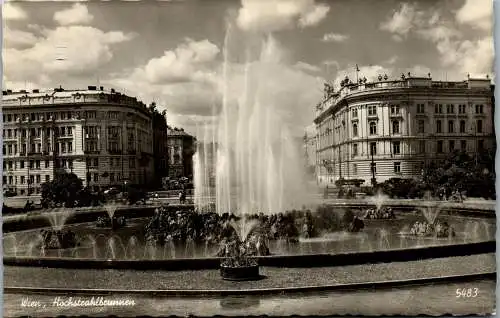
374 180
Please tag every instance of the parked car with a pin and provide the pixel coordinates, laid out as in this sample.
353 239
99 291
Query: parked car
8 193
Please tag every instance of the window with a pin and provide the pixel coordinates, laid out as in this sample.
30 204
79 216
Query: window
451 126
397 167
354 113
438 127
354 151
47 178
395 127
480 145
96 162
396 147
89 176
111 177
355 130
451 145
479 126
420 108
70 131
70 147
96 177
354 168
461 109
22 179
21 163
421 126
373 128
450 108
372 110
394 109
421 146
373 148
438 108
38 179
479 109
462 126
37 164
463 145
440 146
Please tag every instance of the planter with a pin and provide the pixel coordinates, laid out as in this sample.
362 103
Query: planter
239 273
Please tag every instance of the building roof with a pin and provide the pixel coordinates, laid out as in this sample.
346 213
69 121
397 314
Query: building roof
174 131
60 95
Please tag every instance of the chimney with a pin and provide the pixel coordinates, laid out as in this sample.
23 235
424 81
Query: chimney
92 88
4 92
36 91
102 88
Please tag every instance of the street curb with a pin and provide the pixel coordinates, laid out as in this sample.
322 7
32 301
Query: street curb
264 291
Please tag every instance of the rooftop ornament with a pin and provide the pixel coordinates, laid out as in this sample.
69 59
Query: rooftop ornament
380 78
386 77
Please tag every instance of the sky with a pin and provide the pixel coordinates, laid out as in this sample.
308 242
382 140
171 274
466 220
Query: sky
181 53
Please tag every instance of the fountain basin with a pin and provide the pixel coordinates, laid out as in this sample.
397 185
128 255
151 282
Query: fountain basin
239 273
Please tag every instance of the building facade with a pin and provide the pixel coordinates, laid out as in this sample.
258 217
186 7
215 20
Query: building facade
104 137
160 146
181 148
392 129
309 144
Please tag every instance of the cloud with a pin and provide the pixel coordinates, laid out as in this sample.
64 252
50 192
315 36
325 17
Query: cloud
190 61
307 67
78 14
13 12
58 52
334 37
18 39
392 60
477 13
288 89
458 55
314 16
270 16
402 21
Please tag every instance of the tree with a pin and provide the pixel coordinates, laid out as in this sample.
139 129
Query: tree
63 189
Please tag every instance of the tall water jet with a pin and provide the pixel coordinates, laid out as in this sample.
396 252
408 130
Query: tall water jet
259 167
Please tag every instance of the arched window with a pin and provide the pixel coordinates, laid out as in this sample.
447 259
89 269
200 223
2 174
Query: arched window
355 130
373 128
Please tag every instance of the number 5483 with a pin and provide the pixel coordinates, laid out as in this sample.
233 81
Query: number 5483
467 292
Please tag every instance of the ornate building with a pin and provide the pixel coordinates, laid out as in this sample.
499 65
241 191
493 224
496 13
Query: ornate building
390 129
309 144
160 145
104 137
181 148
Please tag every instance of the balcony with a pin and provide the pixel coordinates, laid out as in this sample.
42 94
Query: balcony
92 152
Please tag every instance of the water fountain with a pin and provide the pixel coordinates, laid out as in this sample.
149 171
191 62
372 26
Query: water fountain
239 262
431 226
57 237
111 221
380 212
